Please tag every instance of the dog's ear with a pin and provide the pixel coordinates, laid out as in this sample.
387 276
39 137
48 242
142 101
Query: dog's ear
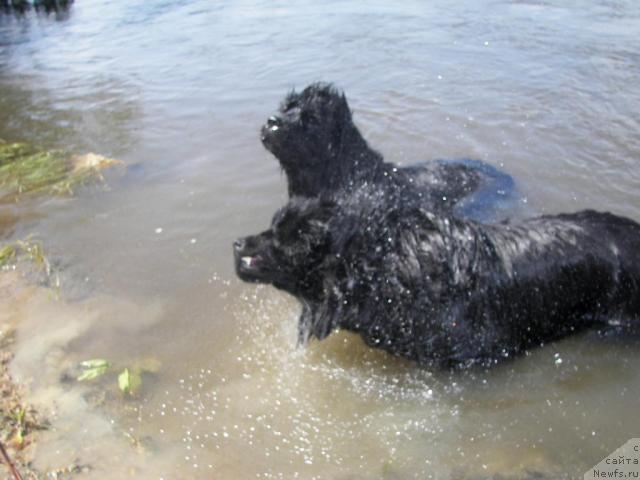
317 320
304 325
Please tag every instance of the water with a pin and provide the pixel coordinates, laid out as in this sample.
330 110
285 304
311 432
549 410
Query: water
546 90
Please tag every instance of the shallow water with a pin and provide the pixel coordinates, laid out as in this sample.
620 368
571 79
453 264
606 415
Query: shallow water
548 91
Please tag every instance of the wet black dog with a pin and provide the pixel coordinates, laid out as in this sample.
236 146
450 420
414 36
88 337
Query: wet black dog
442 290
322 152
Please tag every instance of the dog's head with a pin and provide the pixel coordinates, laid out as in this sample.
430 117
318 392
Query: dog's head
289 255
306 133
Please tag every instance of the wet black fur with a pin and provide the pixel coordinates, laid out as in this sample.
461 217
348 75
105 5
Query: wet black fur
439 289
322 153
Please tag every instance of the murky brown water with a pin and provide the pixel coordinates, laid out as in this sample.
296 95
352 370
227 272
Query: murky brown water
178 89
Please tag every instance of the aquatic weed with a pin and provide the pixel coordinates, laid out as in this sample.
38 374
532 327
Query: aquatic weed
25 169
28 249
129 379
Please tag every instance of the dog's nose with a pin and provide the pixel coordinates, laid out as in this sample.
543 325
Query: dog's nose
273 122
239 244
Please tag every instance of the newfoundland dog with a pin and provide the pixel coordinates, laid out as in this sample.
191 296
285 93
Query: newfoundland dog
443 290
322 152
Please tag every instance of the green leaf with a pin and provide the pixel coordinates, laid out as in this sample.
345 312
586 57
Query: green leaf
7 254
19 415
94 363
93 369
129 382
91 374
19 437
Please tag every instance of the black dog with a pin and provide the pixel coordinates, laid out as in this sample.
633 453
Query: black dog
443 290
322 153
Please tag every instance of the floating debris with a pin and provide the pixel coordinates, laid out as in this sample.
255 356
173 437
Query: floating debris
129 379
29 249
93 369
25 169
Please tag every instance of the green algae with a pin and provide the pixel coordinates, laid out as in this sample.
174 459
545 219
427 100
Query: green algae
28 170
29 250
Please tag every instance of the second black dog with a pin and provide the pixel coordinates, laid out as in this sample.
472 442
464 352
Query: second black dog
322 153
444 290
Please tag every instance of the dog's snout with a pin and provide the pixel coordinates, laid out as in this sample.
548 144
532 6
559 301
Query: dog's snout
239 244
273 122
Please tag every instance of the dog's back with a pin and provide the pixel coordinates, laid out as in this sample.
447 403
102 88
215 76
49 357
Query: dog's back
481 292
579 269
622 237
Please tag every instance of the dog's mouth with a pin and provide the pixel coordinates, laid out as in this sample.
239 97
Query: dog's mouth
251 262
269 139
252 268
266 133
